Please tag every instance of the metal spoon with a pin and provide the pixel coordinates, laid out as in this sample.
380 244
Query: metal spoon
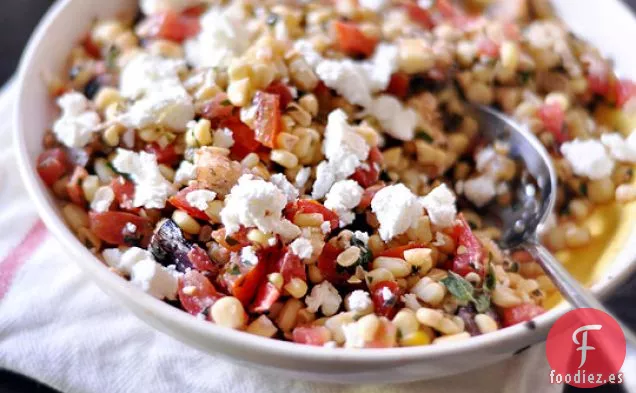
535 201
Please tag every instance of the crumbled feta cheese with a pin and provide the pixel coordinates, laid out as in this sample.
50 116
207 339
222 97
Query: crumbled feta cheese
353 336
280 181
77 124
325 227
302 247
186 172
200 198
257 203
152 189
150 7
145 74
306 49
410 301
440 205
154 279
302 177
325 297
359 301
223 138
223 36
588 158
104 197
362 236
621 149
382 65
373 5
440 241
395 119
344 196
123 262
396 208
480 190
484 158
249 256
325 177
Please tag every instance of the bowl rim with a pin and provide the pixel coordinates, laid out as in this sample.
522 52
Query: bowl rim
127 293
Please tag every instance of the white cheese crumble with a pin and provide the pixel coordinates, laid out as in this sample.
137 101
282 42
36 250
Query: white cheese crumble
373 5
200 199
353 335
281 182
324 297
249 256
150 7
152 189
223 36
360 301
440 205
588 158
397 209
345 151
306 49
302 177
104 197
144 73
223 138
186 172
76 125
302 247
621 149
362 236
480 190
325 227
484 158
440 241
257 203
343 197
124 261
395 119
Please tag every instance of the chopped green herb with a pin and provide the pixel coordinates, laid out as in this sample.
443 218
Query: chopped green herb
421 134
226 102
366 256
524 77
583 189
111 57
463 291
491 279
482 303
231 241
234 270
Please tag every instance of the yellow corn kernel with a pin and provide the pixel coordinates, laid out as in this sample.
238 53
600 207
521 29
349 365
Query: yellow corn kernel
429 317
485 323
368 325
397 266
165 48
105 97
228 312
150 134
105 32
558 98
250 160
276 279
300 115
415 56
263 75
75 216
406 322
185 222
348 257
111 135
214 211
505 297
420 258
378 275
288 315
296 287
89 186
416 339
601 191
625 193
239 92
257 236
286 141
509 55
315 275
429 291
309 102
167 172
262 326
284 158
452 338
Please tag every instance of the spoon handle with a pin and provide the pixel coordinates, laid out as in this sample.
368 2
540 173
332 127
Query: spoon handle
569 287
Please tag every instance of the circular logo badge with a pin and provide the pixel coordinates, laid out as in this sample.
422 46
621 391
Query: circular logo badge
586 349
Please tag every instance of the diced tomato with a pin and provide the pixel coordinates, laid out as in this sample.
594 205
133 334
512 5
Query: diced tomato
368 177
201 260
512 31
625 91
398 252
553 118
290 266
52 165
165 155
311 335
488 47
368 195
74 186
202 297
446 8
399 85
171 26
385 296
122 229
282 91
242 278
385 336
124 192
244 139
91 48
180 201
328 267
233 242
353 41
419 15
266 296
472 259
218 108
522 313
309 206
195 11
268 123
599 76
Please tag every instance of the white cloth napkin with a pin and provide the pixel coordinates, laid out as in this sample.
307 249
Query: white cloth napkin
57 327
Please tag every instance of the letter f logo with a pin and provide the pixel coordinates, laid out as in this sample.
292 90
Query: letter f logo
584 347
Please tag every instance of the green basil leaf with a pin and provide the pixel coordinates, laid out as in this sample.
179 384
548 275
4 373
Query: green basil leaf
423 135
459 287
491 279
482 303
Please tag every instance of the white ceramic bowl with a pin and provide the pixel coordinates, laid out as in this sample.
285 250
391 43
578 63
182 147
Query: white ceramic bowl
607 23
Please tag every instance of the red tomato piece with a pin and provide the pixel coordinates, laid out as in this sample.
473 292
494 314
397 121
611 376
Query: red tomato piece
266 296
625 91
202 297
553 118
165 155
180 201
512 31
367 177
122 229
74 186
522 313
268 124
52 165
218 108
488 47
309 206
282 91
399 85
195 11
446 9
124 191
386 335
385 296
398 252
234 242
201 260
472 260
171 26
244 140
311 335
290 266
327 265
599 74
368 195
242 278
419 15
91 48
353 41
